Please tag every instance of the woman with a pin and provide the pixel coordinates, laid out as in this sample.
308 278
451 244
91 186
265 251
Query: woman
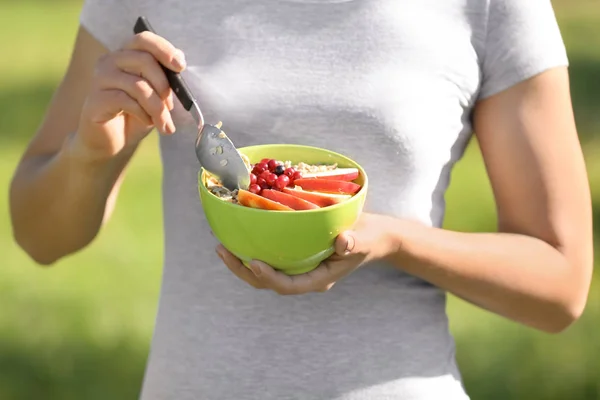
398 86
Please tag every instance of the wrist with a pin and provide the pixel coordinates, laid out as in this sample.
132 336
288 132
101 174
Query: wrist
405 242
87 169
84 160
392 239
384 234
395 233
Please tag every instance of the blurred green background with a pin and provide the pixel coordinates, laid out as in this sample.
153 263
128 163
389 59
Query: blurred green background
82 329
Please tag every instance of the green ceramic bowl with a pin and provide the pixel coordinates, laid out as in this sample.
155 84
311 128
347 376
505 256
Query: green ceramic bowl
293 242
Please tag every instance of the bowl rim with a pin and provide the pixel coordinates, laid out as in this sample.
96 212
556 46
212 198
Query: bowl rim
355 197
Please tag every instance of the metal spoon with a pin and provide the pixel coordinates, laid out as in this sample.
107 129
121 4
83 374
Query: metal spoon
215 152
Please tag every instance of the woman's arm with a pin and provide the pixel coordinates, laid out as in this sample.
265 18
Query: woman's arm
537 269
67 181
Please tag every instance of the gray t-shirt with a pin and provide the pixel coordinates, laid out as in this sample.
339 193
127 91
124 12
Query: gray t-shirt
390 83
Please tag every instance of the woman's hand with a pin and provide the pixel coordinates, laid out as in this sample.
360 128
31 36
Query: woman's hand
129 95
538 268
367 242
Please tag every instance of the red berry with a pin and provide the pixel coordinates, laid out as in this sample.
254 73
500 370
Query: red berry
264 174
254 188
262 183
297 175
273 164
282 181
252 178
271 179
265 160
289 172
261 166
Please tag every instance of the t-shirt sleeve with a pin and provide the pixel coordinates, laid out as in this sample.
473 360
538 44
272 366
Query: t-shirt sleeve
109 21
523 40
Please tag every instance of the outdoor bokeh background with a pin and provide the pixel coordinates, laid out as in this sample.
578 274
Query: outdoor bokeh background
82 329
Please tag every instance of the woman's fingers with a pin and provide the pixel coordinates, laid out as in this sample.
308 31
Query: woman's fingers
112 102
136 70
140 89
238 268
320 279
143 64
160 48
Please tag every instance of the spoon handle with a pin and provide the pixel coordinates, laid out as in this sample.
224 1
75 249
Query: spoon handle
176 81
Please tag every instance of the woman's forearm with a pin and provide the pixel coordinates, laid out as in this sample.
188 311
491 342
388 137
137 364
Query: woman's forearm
58 202
516 276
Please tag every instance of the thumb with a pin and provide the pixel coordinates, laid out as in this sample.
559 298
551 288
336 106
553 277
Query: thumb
346 243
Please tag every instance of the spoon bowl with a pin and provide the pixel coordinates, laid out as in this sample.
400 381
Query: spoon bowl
217 154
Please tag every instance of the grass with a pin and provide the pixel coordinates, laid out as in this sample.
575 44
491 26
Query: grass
81 330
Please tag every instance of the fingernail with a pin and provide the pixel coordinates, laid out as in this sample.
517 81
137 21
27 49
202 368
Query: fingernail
219 253
350 244
179 59
255 269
